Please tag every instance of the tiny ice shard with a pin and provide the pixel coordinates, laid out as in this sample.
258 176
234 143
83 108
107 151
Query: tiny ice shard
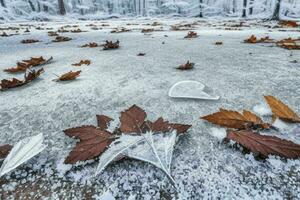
190 90
22 152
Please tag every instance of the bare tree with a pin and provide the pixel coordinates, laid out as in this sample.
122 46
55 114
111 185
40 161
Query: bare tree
251 7
244 8
201 8
2 2
61 7
276 14
234 7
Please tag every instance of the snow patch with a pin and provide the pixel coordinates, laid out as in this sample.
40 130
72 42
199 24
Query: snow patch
219 133
262 109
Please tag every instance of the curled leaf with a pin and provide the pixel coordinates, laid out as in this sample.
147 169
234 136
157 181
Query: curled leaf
191 34
111 45
186 66
69 76
82 62
281 110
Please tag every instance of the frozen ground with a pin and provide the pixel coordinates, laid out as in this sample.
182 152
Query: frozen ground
203 167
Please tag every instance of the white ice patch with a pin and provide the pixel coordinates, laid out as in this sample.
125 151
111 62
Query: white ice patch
62 168
219 133
106 196
281 125
262 109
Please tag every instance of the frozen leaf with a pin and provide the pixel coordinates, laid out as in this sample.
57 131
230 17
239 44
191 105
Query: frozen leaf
191 34
120 30
103 121
61 39
233 119
22 152
93 142
111 45
186 66
29 41
31 75
4 150
25 64
69 76
289 43
282 111
253 39
265 145
91 45
82 62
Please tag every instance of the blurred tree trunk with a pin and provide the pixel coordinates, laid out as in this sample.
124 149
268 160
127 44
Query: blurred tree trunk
234 7
2 2
251 7
200 7
244 8
61 7
31 5
276 14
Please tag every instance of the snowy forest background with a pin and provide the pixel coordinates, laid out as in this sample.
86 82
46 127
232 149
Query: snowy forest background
97 9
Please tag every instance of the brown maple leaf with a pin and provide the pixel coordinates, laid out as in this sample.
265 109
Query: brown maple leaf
132 120
186 66
93 142
29 41
32 75
281 110
234 119
103 121
265 145
61 39
111 45
191 34
4 150
82 62
69 76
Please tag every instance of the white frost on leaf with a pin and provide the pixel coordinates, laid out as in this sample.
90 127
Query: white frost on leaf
156 149
22 152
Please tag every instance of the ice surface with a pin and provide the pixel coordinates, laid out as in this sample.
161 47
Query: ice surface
202 167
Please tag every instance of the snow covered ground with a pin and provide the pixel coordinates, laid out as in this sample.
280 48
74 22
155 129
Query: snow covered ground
202 166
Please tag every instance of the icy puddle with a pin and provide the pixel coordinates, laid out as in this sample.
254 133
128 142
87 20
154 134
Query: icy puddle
202 166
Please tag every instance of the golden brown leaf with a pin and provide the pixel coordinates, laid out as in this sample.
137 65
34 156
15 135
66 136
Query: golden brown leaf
265 145
191 34
82 62
234 119
281 110
69 76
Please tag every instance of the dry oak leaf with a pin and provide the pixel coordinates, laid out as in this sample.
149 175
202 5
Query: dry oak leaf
234 119
25 64
29 41
28 77
61 39
191 34
289 43
93 142
69 76
288 24
186 66
82 62
4 150
282 111
265 145
91 45
111 45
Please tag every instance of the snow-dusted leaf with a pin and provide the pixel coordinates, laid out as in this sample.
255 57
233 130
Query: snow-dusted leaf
22 152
